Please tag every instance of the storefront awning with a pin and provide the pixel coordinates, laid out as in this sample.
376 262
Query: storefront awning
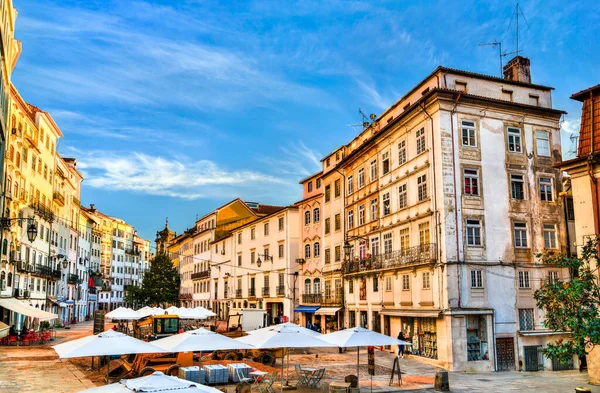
25 309
411 313
306 309
328 310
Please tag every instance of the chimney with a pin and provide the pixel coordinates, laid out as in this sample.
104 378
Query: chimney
92 207
518 70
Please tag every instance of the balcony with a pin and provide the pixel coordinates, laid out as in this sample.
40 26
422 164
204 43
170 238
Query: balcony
21 293
72 278
238 293
419 255
333 298
132 251
59 198
312 298
266 292
23 267
225 294
105 288
56 274
42 210
42 271
252 292
200 275
281 291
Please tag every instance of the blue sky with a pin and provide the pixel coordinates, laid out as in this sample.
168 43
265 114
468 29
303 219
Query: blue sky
173 107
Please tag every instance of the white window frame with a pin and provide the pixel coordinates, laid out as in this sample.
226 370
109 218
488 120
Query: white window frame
361 215
406 282
316 215
553 276
549 232
420 140
471 176
350 219
517 178
401 152
403 196
307 250
374 209
422 187
350 185
471 134
307 217
388 284
542 143
386 207
426 280
385 159
361 178
476 279
520 241
375 246
514 138
524 282
546 189
316 249
473 228
387 243
373 170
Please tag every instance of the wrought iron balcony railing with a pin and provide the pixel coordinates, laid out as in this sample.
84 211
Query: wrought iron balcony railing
423 254
252 292
73 278
281 291
199 275
266 291
312 298
238 293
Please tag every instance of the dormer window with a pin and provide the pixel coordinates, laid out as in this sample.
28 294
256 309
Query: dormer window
507 95
461 86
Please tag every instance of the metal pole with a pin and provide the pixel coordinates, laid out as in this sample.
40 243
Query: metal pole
357 362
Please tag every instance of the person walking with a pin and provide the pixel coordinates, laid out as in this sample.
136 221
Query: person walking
401 346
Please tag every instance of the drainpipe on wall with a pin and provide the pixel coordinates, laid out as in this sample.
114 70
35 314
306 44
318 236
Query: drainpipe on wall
459 270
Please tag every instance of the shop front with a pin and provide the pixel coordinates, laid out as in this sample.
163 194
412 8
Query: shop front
275 313
307 314
330 319
419 327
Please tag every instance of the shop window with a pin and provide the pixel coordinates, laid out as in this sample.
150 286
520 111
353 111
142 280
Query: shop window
477 345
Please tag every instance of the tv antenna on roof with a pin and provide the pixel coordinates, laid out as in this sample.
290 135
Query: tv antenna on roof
499 45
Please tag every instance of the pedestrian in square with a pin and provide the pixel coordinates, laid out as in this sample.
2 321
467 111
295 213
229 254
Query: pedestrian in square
401 346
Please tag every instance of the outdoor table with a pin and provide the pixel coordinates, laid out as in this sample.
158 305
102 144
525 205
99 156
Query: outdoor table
339 386
308 372
255 375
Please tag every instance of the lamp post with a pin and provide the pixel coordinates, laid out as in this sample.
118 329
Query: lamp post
267 258
348 247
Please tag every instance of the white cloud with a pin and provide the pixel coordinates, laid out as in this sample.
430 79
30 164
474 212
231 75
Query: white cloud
168 176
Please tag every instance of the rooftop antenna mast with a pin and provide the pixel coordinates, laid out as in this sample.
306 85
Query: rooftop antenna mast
499 45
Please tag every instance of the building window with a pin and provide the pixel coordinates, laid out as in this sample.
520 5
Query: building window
338 222
542 143
401 152
524 279
318 183
402 196
553 277
266 228
350 219
520 233
327 225
309 186
252 257
388 284
327 193
361 215
281 251
422 187
317 249
375 284
316 215
471 178
239 259
350 286
570 209
424 233
514 140
404 239
373 170
307 251
307 217
338 253
549 236
386 204
545 189
526 319
307 286
373 209
385 163
406 282
361 178
350 184
420 137
517 189
473 233
252 233
327 255
375 246
426 280
468 133
476 279
281 223
387 243
337 188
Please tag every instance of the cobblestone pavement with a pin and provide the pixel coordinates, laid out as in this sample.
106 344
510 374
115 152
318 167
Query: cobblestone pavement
38 369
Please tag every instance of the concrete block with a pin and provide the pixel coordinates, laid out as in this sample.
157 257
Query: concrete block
441 384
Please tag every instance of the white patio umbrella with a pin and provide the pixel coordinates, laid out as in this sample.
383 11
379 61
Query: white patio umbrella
360 337
174 310
146 311
206 311
155 382
283 337
124 314
108 343
189 313
302 330
199 340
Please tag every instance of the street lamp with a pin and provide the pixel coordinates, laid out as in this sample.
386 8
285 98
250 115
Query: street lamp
348 246
267 259
32 231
